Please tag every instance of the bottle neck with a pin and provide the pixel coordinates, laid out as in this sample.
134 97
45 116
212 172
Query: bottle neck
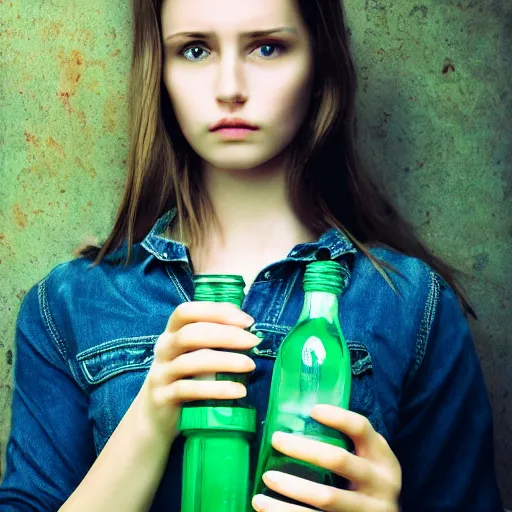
319 304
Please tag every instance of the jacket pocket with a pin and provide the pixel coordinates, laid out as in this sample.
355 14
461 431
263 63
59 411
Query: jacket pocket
362 396
115 371
111 358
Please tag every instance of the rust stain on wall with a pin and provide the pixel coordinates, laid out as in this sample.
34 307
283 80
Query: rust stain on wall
88 169
87 207
51 30
31 139
39 163
71 72
5 244
20 216
82 117
52 143
110 109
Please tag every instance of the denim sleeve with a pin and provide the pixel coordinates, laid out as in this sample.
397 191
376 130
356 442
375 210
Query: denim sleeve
50 446
444 439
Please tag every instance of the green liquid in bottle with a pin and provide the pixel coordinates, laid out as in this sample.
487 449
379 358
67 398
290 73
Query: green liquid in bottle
312 367
216 458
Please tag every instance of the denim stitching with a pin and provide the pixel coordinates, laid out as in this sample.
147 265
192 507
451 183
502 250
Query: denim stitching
177 284
115 345
53 330
358 367
274 302
277 329
48 320
109 345
105 375
288 291
426 323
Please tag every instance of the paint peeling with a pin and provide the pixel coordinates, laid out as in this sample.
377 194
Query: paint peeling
448 67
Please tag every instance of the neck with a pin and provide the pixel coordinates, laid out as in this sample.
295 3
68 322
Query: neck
245 200
252 208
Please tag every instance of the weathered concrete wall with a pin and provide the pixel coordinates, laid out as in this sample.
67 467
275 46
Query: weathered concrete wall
435 123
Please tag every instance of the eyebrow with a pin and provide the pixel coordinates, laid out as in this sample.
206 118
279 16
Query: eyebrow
253 34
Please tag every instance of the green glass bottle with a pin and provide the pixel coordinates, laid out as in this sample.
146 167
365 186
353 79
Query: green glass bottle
216 461
312 367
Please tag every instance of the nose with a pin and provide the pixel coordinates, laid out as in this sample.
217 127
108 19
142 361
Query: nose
231 86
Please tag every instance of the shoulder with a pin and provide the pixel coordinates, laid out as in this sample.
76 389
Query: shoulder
71 288
421 294
413 278
74 279
427 306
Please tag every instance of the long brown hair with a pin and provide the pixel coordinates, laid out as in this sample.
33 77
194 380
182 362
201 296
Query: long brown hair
328 184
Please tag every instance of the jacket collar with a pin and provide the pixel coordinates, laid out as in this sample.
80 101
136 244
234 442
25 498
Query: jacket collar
166 249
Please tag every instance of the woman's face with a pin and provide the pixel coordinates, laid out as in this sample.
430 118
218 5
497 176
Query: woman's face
218 67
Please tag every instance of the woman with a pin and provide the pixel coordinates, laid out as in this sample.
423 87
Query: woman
243 161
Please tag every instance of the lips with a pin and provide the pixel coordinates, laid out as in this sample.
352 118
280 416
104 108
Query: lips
233 123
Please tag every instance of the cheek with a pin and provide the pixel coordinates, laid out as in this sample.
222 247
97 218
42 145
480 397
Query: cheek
186 96
291 101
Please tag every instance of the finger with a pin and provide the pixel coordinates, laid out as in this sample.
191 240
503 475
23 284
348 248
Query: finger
323 497
201 362
335 459
368 443
204 311
183 391
200 335
262 503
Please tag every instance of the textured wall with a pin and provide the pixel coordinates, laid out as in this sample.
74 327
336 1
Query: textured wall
435 102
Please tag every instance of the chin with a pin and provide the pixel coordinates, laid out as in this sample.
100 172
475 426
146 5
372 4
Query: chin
238 159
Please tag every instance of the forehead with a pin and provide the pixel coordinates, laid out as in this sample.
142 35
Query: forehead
227 15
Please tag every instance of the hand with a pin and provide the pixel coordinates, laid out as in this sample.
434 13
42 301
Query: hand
187 348
374 472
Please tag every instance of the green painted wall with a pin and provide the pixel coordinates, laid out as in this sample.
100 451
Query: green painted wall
435 106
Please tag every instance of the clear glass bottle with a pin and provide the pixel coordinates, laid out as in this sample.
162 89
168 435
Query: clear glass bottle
216 461
312 367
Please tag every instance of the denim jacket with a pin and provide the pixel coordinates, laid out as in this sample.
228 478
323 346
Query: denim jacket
84 344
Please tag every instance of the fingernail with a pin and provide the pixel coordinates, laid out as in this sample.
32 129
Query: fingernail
259 337
259 502
246 319
272 477
278 436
